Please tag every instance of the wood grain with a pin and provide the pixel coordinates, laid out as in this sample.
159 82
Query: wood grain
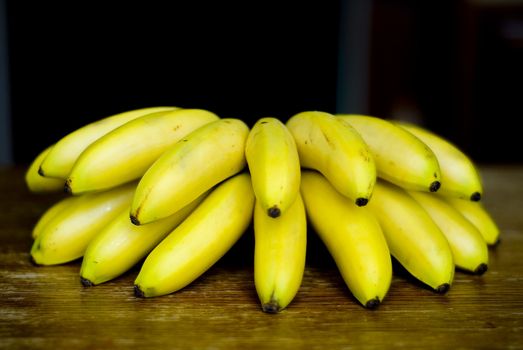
46 307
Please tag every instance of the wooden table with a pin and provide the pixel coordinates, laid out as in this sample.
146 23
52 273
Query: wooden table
46 307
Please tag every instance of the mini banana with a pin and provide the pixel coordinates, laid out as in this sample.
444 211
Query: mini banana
413 237
37 183
201 240
469 249
51 212
477 214
60 160
125 153
274 165
202 159
335 149
459 176
121 245
400 157
65 237
280 245
352 236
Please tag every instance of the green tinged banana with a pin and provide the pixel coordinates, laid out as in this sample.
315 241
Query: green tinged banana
274 165
352 236
335 149
125 153
413 237
200 241
400 157
202 159
279 255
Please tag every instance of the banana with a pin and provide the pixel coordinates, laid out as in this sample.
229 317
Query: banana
280 245
62 157
459 176
332 147
201 240
413 237
274 165
353 237
65 237
37 183
479 216
51 212
469 249
193 165
400 157
125 153
121 245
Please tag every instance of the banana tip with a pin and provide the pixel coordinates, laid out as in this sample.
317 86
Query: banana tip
272 307
138 292
360 202
41 171
134 220
481 269
373 303
475 197
434 186
274 212
67 187
85 282
442 289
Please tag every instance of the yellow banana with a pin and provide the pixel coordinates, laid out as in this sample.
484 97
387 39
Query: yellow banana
193 165
125 153
479 216
36 182
400 157
332 147
274 165
352 236
65 237
469 249
120 245
459 176
413 237
51 212
279 255
201 240
62 157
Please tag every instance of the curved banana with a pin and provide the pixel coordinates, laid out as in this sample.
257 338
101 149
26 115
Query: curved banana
37 183
201 240
413 237
274 165
65 237
469 249
60 160
51 212
121 245
479 216
125 153
459 176
331 146
353 237
193 165
280 245
400 157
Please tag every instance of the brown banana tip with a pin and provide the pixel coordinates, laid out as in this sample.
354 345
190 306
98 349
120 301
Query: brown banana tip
134 220
41 171
442 289
271 307
274 212
434 186
67 187
496 243
475 197
361 202
481 269
85 282
373 303
138 292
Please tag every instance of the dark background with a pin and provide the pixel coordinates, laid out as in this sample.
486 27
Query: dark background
454 66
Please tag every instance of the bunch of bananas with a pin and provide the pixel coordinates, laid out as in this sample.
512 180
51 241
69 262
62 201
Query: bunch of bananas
179 187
